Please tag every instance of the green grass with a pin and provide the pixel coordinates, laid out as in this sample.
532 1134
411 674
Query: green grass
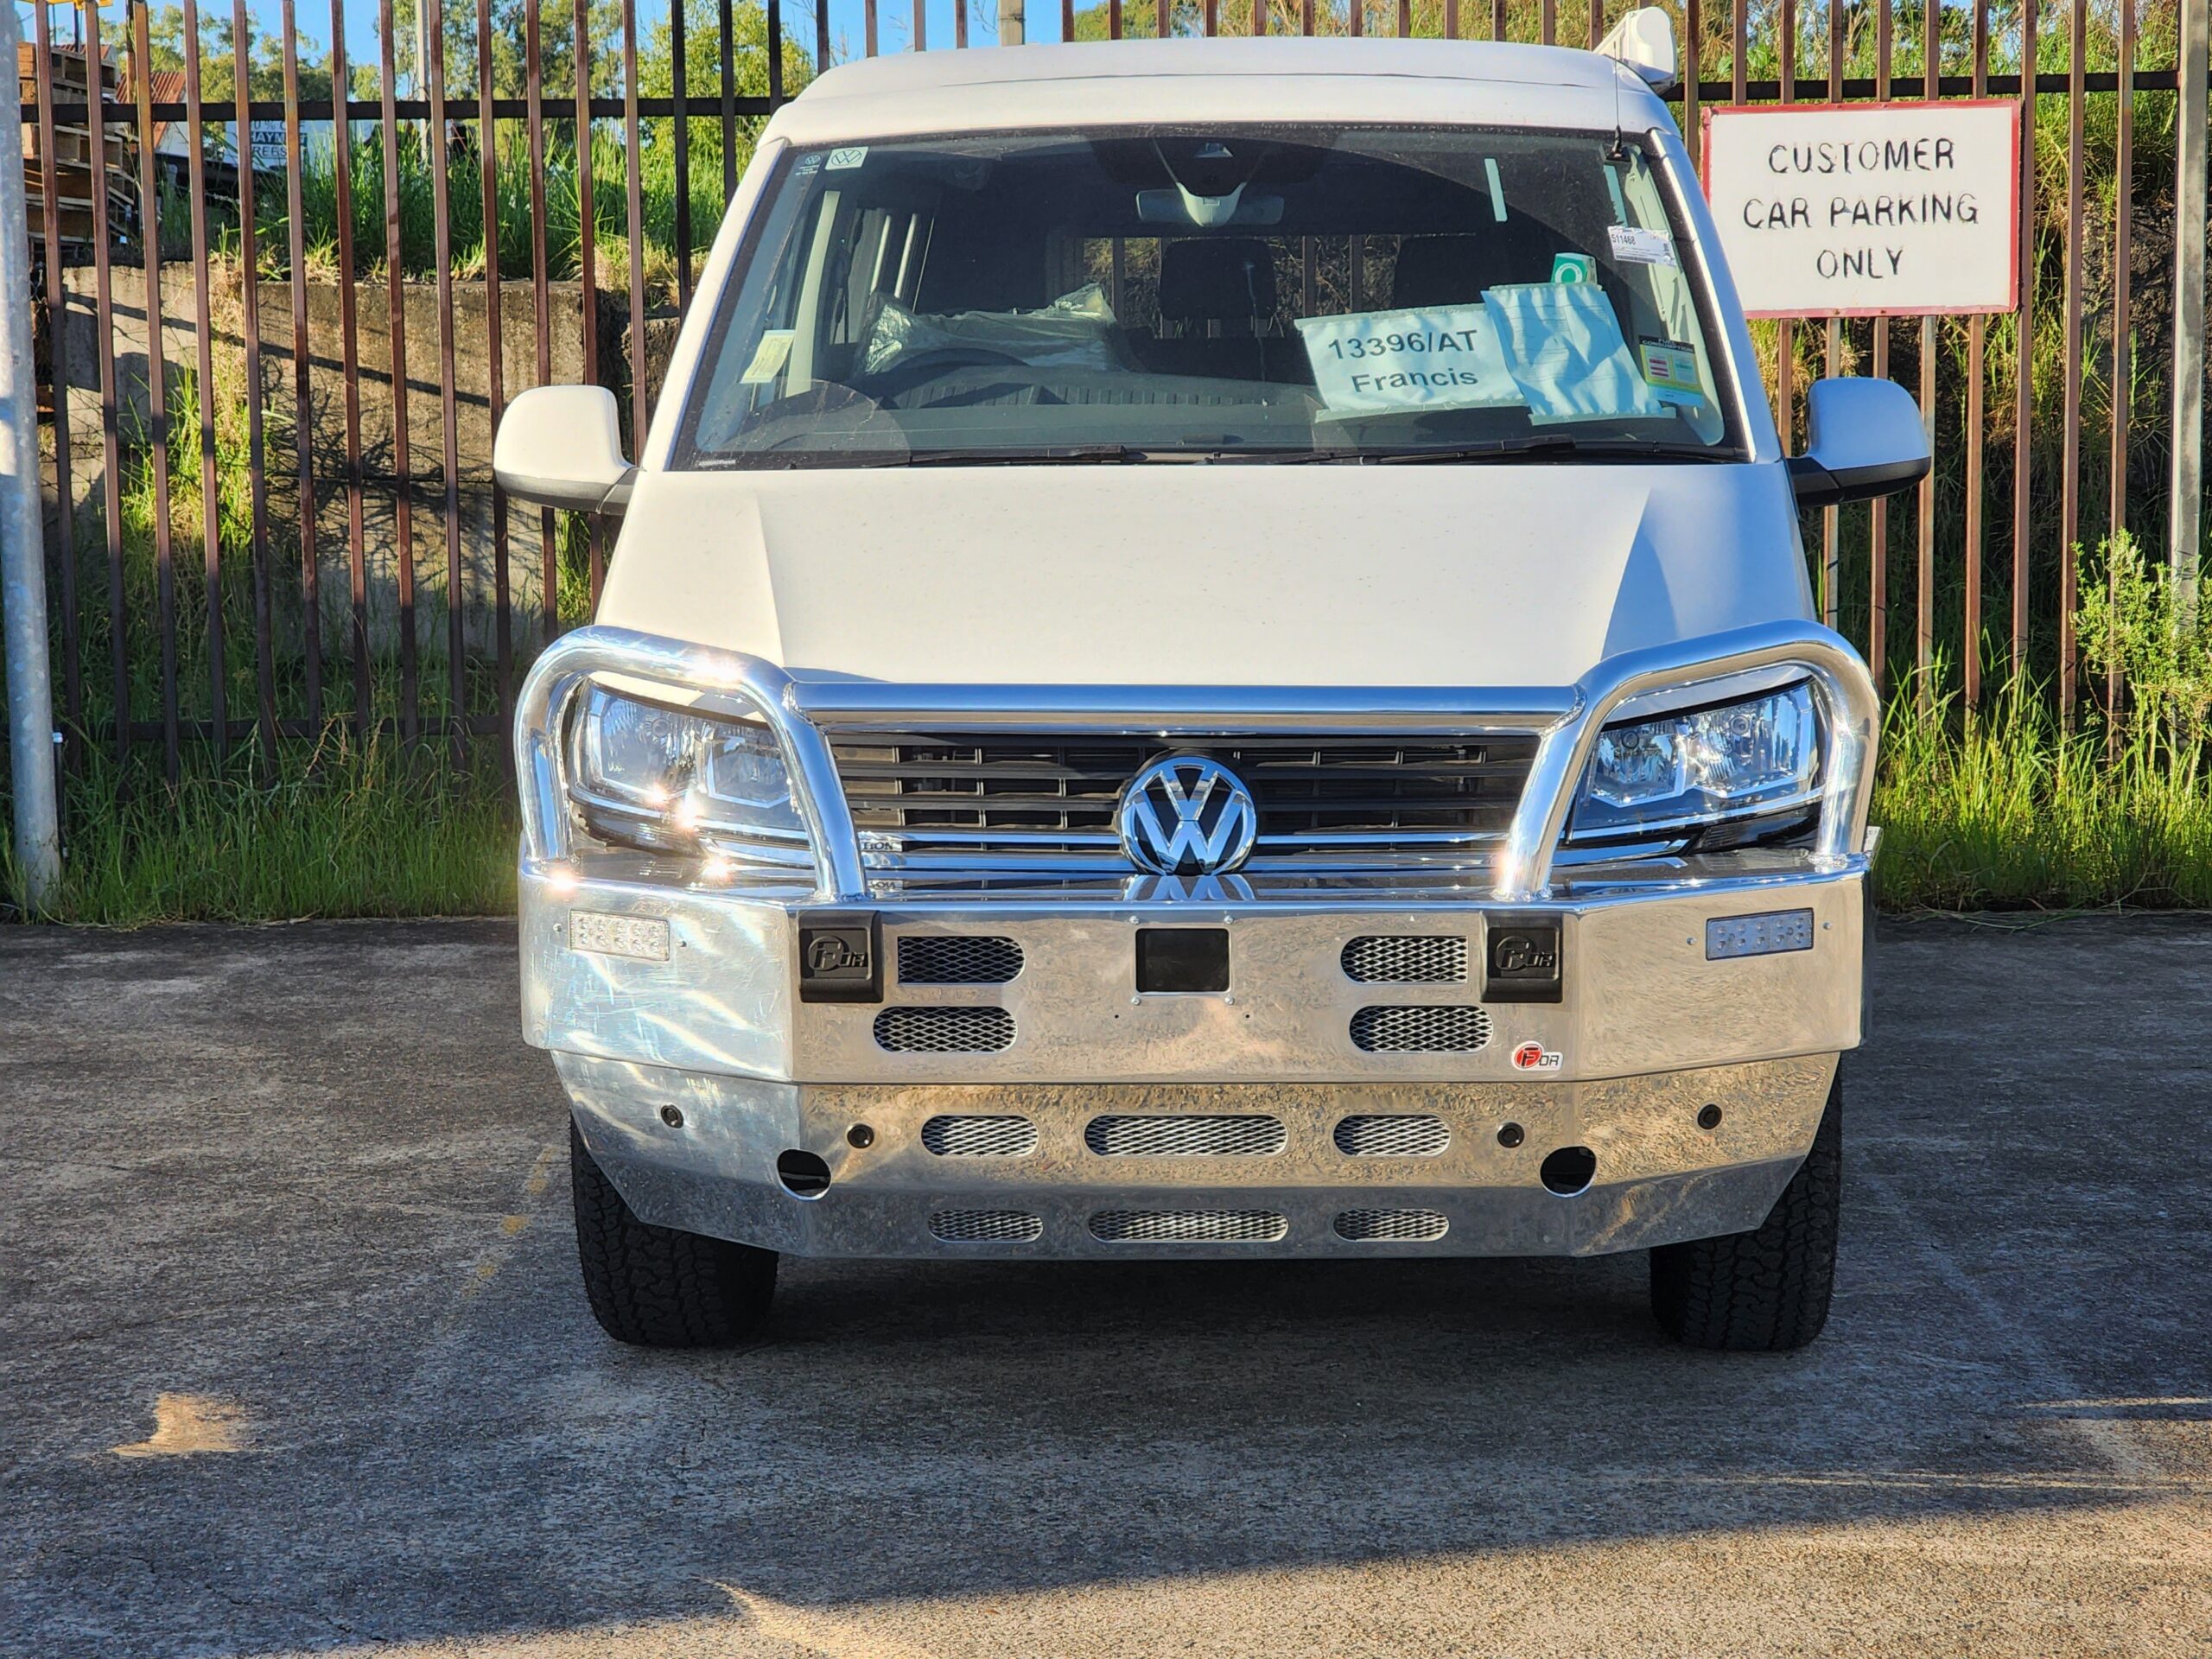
2014 812
343 831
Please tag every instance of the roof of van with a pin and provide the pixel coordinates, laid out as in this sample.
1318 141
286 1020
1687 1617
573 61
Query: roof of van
1478 60
1277 78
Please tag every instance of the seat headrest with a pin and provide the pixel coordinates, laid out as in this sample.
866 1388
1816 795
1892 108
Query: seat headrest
1216 278
1455 269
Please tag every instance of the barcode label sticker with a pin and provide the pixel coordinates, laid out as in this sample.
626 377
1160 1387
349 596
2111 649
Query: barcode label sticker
1633 245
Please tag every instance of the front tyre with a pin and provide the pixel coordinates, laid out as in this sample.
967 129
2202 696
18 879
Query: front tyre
1767 1289
656 1286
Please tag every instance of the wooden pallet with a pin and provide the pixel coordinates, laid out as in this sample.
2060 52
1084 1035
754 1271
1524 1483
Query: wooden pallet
73 161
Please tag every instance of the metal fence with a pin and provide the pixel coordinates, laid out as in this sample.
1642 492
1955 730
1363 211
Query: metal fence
355 566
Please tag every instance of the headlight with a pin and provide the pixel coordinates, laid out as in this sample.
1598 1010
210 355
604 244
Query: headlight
1755 756
653 776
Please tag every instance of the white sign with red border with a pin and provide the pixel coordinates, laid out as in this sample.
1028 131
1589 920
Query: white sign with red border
1868 210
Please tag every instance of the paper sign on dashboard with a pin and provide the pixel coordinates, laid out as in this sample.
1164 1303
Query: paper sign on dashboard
1379 362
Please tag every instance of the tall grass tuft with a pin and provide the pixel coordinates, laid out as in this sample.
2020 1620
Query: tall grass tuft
2009 808
345 830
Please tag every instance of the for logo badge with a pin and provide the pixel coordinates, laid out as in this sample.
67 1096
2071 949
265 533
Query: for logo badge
840 956
1535 1057
1187 816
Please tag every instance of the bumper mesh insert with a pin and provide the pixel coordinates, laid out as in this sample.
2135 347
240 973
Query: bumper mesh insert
1187 1226
1390 1226
986 1226
1401 959
957 959
1184 1137
979 1136
1393 1134
1413 1030
944 1030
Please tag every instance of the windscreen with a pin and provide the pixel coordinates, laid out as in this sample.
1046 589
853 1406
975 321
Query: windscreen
1210 294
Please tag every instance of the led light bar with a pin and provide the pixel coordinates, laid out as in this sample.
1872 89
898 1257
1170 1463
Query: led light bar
1766 934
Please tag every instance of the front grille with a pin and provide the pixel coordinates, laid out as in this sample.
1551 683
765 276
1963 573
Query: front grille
944 1030
1419 1030
1394 1134
1187 1226
1419 959
1335 800
957 959
1390 1226
1184 1137
986 1226
980 1137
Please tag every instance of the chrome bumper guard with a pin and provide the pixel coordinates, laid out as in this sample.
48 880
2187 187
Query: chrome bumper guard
1693 1079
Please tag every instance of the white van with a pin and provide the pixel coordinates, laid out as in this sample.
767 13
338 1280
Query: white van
1209 655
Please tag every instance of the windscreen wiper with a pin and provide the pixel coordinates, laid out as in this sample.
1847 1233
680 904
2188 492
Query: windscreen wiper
817 460
1550 446
1073 454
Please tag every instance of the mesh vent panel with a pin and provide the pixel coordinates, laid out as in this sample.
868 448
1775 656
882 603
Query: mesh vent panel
1400 959
1384 1226
944 1030
1419 1030
986 1226
950 959
1184 1137
980 1137
1410 1134
1187 1226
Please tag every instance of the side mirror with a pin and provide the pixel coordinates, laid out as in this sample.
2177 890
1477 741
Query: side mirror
1864 439
562 447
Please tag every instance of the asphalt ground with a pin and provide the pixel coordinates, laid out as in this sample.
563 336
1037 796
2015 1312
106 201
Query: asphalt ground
293 1357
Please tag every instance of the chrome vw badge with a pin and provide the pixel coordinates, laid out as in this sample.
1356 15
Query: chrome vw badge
1187 816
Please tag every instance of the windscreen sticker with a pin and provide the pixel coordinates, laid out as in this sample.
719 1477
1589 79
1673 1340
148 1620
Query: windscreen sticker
842 160
1670 370
1375 362
1634 245
769 356
1573 268
1563 347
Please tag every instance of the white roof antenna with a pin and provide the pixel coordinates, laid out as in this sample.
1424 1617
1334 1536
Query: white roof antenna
1644 40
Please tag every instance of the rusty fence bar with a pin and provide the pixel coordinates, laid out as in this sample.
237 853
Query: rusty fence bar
1977 378
1877 512
2023 407
58 356
276 404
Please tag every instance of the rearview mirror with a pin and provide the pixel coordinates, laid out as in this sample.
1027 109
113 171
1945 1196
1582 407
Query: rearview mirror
562 447
1862 439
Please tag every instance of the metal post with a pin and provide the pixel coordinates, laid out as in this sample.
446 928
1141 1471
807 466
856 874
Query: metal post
1014 23
2186 515
22 528
433 143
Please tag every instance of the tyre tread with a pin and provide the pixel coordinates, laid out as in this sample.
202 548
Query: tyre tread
1768 1289
657 1287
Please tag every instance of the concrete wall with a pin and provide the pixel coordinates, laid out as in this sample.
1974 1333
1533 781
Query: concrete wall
382 487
